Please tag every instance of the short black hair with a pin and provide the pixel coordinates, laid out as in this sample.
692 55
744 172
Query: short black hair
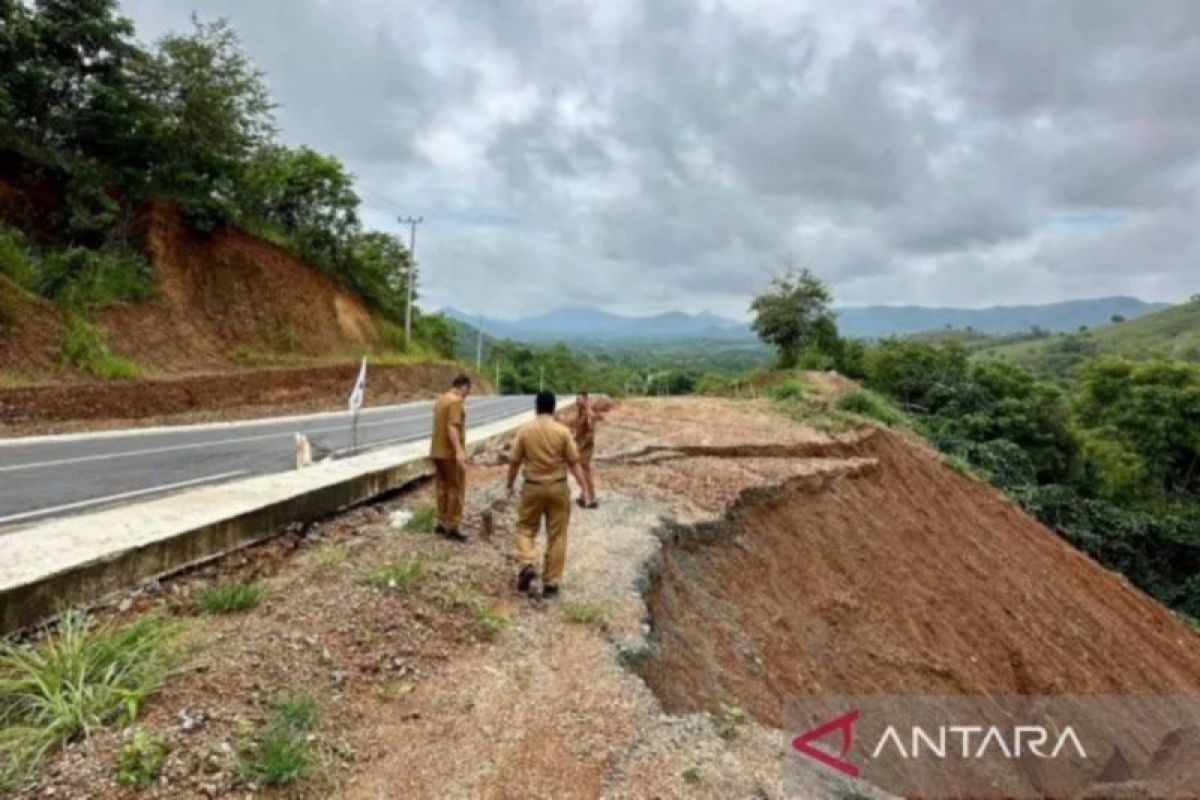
545 402
461 380
583 394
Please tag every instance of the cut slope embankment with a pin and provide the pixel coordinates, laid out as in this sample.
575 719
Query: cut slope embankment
197 398
227 294
906 579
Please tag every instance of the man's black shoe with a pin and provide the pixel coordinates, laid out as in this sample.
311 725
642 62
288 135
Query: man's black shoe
593 504
549 592
454 534
579 501
525 579
439 529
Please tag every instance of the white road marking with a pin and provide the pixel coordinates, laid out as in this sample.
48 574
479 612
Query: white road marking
194 445
41 512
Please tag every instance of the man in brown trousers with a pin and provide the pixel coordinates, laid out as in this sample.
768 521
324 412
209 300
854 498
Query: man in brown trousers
585 440
448 450
547 451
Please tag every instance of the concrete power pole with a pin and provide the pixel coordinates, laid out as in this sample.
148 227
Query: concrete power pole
498 389
479 344
412 223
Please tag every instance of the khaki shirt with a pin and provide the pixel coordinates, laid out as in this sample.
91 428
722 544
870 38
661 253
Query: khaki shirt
447 410
546 448
585 428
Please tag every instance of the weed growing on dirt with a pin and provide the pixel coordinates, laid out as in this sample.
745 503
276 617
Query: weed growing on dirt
84 347
278 754
227 598
489 620
75 681
401 576
295 711
690 772
583 613
727 719
140 761
868 404
331 554
423 520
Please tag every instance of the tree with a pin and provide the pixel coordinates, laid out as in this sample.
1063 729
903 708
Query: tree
378 268
215 112
793 314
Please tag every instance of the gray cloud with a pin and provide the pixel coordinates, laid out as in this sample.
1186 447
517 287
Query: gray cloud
649 155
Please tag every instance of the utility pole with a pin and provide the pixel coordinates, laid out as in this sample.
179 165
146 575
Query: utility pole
541 378
498 389
479 344
412 223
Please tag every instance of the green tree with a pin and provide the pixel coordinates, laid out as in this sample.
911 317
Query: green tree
793 314
215 112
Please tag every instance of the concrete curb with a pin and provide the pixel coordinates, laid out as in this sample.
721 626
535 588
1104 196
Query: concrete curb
83 559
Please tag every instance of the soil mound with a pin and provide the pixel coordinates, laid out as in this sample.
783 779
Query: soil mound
907 578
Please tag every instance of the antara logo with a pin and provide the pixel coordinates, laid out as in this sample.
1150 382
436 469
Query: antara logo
946 741
845 723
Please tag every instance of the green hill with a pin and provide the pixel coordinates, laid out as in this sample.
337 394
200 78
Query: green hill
1171 333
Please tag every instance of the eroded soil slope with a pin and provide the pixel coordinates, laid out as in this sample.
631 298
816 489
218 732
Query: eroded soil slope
228 294
907 578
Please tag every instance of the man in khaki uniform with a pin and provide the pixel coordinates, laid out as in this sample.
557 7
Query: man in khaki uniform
585 440
448 450
547 450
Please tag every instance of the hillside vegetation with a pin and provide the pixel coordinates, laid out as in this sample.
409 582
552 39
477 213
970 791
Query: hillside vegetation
1171 333
145 198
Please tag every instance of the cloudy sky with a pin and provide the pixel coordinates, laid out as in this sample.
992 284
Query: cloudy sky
645 156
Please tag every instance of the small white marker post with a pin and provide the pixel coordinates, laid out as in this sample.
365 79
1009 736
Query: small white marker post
356 401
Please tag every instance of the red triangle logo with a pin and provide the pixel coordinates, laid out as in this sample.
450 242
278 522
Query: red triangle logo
803 743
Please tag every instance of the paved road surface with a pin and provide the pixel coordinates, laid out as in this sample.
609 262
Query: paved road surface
45 477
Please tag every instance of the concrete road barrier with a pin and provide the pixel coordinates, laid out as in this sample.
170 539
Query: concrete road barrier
83 559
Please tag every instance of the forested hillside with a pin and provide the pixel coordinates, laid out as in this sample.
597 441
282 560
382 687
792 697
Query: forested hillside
104 142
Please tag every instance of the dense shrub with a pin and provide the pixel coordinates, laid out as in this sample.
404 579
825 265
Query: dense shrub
84 347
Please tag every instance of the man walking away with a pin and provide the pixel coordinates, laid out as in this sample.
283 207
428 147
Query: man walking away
585 440
448 450
547 450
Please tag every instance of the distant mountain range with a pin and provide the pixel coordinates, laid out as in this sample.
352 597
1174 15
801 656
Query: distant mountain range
585 323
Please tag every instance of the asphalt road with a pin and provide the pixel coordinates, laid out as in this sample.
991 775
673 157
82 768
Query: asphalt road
44 477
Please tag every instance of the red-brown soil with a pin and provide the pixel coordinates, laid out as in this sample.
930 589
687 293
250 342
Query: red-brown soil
232 294
221 396
908 578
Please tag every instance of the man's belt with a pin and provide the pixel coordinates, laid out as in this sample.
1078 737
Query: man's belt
547 483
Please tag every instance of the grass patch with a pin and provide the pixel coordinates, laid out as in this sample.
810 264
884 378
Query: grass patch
85 348
489 620
74 682
400 576
423 520
140 761
960 465
278 754
727 719
86 280
228 598
866 403
583 613
295 711
690 772
331 554
791 389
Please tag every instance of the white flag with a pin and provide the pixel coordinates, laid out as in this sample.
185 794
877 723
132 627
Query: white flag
360 385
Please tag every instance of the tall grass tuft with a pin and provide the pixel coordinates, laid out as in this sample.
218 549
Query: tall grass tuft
279 754
75 681
227 598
